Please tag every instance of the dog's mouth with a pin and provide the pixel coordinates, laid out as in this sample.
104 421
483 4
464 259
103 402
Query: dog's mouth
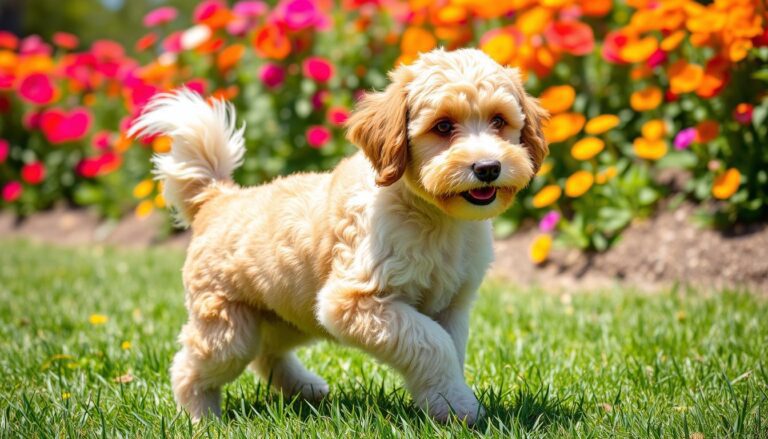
481 196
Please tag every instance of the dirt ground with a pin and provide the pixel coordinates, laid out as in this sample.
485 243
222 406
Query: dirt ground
664 250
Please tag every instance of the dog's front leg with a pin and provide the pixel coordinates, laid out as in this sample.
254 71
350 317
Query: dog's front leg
397 334
455 321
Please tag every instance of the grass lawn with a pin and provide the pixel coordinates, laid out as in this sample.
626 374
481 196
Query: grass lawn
86 337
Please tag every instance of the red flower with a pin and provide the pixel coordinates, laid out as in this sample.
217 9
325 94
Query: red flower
337 116
37 88
12 191
146 42
8 40
5 148
318 69
572 37
33 173
65 40
60 126
318 136
743 113
612 45
90 167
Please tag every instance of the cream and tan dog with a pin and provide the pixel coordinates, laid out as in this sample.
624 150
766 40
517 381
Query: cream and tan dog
384 253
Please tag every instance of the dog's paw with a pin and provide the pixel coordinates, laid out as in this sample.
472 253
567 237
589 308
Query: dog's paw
455 401
312 391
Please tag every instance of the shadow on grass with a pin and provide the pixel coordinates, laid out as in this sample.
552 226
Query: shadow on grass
521 409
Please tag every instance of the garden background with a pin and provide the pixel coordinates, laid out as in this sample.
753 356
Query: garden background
658 177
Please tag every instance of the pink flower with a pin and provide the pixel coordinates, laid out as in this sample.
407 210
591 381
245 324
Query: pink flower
684 138
612 44
107 49
31 119
12 191
300 14
318 69
272 75
34 45
319 99
318 136
160 16
37 88
250 8
5 148
206 9
102 140
656 59
90 167
65 40
172 43
549 221
60 126
33 173
337 116
197 85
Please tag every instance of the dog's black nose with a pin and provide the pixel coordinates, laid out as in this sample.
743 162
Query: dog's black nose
487 170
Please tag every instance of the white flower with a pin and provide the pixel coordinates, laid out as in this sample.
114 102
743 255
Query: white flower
195 36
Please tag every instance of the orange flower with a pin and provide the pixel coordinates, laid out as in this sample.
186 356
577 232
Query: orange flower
144 209
546 196
595 8
534 20
645 99
144 188
684 77
605 175
726 184
707 131
672 40
654 129
587 148
739 50
562 126
649 149
229 57
601 124
639 50
417 40
500 47
716 76
540 248
161 144
271 42
578 183
558 98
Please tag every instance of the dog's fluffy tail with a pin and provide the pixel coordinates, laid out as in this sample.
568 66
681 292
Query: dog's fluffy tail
206 147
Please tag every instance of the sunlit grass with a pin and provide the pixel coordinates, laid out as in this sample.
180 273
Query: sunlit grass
86 337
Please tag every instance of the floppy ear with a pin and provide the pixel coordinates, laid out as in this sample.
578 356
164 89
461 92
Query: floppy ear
379 126
531 136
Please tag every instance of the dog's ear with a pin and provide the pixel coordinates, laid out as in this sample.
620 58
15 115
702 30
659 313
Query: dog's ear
379 126
531 136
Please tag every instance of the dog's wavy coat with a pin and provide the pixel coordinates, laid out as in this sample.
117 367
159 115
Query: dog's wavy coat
384 253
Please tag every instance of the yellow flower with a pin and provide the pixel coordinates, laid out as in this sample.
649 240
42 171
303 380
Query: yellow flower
558 98
578 183
563 126
545 168
587 148
98 319
144 188
159 201
650 149
65 395
161 144
539 251
726 184
639 50
601 124
673 40
125 345
500 47
546 196
646 99
605 175
654 129
144 209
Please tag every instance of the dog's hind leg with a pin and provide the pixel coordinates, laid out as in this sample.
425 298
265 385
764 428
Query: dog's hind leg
277 364
216 347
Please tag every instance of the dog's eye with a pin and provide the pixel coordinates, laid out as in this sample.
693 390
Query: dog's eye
498 122
444 127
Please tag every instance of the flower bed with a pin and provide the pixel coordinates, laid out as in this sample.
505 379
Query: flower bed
635 91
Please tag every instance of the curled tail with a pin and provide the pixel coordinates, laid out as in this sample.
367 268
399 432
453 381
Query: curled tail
206 147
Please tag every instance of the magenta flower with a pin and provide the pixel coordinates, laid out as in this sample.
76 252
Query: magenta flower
12 191
318 136
250 8
337 116
206 10
684 138
33 173
159 16
37 88
272 75
61 126
172 43
549 221
319 99
300 14
197 85
34 45
5 148
656 59
318 69
102 140
743 113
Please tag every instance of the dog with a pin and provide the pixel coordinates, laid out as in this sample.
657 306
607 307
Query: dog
384 253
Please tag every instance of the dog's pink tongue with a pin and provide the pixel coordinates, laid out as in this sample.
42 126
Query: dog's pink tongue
482 193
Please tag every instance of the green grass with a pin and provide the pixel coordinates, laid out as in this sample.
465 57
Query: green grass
613 363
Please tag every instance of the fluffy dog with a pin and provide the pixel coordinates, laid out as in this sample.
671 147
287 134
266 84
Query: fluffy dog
384 253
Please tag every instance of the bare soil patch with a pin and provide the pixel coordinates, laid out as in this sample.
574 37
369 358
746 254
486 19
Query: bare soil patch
658 252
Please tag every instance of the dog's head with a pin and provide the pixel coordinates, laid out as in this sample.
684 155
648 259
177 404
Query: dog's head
458 128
